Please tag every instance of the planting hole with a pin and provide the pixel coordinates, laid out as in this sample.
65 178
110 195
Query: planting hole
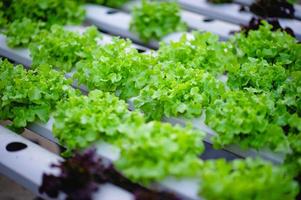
15 146
208 20
111 12
140 50
243 9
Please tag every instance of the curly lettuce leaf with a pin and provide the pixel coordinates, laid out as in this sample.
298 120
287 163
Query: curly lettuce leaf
154 20
50 12
289 94
154 151
20 33
3 17
61 48
173 90
242 117
275 47
203 51
258 75
23 19
246 179
116 67
82 120
27 96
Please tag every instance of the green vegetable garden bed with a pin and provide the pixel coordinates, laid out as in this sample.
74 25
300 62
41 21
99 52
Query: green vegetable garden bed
246 89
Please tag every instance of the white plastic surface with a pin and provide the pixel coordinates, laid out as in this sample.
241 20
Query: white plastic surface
28 165
202 23
187 187
225 12
111 192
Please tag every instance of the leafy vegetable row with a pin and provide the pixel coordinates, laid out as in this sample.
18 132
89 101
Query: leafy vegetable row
129 77
151 20
259 103
80 117
152 151
33 95
182 79
82 174
23 19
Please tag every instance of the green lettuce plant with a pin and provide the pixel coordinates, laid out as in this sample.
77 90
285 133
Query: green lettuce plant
258 75
51 11
203 50
82 120
28 96
276 47
25 18
116 67
242 117
246 179
154 151
61 48
22 32
154 20
173 90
